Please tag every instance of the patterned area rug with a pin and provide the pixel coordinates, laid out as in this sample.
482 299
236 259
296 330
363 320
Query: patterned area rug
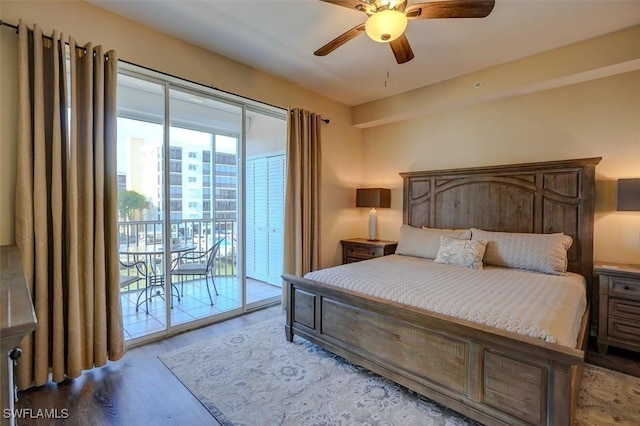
255 377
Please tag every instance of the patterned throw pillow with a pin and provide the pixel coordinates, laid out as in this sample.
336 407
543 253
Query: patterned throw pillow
466 253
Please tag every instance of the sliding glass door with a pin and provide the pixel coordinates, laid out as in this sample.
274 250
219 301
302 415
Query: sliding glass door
201 197
203 191
141 207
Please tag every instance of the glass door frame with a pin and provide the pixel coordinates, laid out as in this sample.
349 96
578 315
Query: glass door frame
245 104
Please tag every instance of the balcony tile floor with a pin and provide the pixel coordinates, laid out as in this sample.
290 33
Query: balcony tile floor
194 304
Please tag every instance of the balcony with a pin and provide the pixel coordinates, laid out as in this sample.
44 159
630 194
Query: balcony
142 241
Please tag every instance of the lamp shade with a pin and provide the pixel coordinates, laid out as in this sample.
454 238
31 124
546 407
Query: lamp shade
386 25
373 197
629 195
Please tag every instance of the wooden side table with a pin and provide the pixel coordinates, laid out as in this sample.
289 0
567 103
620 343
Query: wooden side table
619 307
17 319
357 249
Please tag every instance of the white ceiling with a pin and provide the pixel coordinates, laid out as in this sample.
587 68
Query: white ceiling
280 36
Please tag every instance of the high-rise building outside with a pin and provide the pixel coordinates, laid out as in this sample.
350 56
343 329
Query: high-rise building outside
202 186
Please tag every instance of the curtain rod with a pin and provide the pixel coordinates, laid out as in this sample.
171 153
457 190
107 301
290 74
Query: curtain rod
6 24
15 27
326 120
199 84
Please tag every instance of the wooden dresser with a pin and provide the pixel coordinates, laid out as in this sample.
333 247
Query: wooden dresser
619 306
17 320
357 249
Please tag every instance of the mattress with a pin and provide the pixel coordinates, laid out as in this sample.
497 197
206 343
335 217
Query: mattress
547 307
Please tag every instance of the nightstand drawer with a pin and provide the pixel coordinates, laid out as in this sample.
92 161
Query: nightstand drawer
361 251
624 308
357 249
624 287
622 329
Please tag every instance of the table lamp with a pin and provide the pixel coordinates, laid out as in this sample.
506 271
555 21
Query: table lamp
373 198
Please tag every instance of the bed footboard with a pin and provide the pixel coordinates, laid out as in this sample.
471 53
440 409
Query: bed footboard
491 376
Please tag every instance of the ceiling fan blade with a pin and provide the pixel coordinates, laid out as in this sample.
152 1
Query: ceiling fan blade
340 40
357 5
450 9
401 49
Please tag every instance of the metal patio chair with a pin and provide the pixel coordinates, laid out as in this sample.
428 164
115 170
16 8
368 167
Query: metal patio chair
141 273
197 263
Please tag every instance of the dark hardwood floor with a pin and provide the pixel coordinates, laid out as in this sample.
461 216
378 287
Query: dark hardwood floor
140 390
136 390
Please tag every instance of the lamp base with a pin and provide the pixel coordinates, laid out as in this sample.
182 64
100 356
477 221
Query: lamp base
373 225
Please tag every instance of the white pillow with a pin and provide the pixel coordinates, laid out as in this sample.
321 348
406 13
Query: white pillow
425 242
460 234
466 253
545 253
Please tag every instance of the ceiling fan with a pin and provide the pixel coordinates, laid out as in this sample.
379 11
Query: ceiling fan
387 20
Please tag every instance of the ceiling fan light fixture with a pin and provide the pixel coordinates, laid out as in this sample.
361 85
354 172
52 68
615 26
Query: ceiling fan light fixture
386 25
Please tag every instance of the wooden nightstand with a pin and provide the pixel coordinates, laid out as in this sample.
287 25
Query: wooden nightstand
357 249
619 316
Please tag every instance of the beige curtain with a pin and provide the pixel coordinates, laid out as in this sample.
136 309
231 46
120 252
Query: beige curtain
66 206
302 203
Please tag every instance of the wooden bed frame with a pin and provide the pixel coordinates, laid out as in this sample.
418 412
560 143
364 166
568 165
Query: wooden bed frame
492 376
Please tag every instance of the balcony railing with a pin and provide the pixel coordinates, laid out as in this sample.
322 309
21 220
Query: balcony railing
203 233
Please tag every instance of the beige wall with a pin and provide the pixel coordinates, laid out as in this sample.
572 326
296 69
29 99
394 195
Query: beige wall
141 45
599 118
598 57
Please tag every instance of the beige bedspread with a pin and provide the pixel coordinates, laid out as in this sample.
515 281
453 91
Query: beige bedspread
548 307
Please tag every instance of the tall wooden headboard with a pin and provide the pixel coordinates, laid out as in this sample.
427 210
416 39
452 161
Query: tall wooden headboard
545 197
